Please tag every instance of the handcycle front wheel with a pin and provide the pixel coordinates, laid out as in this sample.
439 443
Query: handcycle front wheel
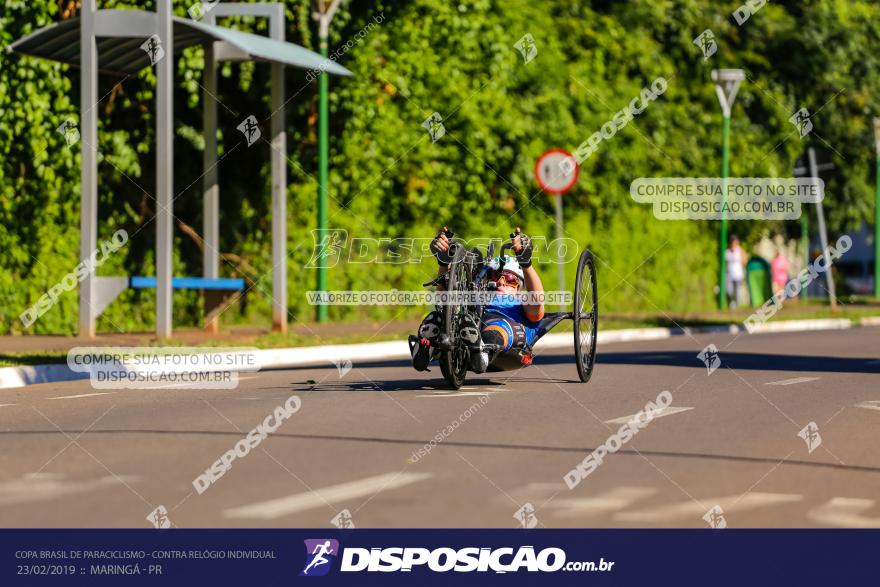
585 315
454 362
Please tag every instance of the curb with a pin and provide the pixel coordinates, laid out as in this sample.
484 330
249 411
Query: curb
11 377
14 377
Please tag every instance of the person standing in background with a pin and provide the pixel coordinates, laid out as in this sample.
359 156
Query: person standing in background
779 271
736 263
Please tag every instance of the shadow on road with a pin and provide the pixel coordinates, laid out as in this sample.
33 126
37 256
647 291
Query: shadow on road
433 384
744 361
385 385
738 361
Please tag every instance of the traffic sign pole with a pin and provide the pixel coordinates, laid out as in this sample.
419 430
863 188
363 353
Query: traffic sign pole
557 172
560 259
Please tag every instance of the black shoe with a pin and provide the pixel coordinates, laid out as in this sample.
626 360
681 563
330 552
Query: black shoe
421 353
470 331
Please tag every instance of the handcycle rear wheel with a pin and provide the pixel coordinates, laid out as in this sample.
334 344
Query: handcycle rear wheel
454 362
585 314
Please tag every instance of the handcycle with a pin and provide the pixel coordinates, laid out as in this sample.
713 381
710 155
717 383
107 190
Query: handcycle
469 273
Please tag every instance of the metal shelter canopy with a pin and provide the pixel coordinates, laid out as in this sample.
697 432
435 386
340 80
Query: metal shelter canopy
120 34
112 41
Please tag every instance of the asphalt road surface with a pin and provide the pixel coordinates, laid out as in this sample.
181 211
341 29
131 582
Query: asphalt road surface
726 452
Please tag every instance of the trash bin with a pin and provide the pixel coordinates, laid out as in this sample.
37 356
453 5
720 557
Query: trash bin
758 280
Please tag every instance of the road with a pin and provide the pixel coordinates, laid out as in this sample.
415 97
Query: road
75 456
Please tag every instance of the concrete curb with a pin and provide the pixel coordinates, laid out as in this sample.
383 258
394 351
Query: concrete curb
13 377
803 325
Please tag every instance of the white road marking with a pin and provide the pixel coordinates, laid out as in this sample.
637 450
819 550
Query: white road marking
291 504
845 512
181 386
460 394
792 381
4 405
47 486
603 503
695 510
82 395
659 413
869 405
533 492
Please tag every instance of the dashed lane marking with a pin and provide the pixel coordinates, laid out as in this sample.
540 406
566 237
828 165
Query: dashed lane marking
792 381
460 394
292 504
49 486
82 395
607 502
695 509
869 405
845 512
659 413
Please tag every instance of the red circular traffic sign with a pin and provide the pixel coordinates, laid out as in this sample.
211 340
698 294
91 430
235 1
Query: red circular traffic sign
556 171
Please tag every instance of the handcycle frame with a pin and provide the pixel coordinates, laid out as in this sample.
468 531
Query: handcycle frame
468 273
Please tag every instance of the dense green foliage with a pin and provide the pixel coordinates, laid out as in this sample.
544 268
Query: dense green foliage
389 180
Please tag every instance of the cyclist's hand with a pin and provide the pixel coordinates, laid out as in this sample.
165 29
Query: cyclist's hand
440 246
522 246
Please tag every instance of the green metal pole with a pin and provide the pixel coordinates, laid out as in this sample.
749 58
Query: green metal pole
877 226
323 170
722 243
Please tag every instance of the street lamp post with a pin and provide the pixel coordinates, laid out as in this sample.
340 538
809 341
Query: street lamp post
805 241
808 165
323 15
823 233
726 85
877 211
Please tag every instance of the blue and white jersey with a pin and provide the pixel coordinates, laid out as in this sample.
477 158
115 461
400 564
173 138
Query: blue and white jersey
513 311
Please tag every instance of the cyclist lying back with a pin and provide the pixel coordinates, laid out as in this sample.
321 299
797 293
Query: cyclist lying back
505 323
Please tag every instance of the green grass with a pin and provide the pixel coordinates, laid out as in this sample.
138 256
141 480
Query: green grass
34 358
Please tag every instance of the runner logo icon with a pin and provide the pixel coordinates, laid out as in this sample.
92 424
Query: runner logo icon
320 554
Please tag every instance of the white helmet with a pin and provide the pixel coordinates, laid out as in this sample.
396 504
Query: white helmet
510 264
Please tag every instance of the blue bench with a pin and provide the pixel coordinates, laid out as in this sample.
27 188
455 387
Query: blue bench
219 293
222 284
